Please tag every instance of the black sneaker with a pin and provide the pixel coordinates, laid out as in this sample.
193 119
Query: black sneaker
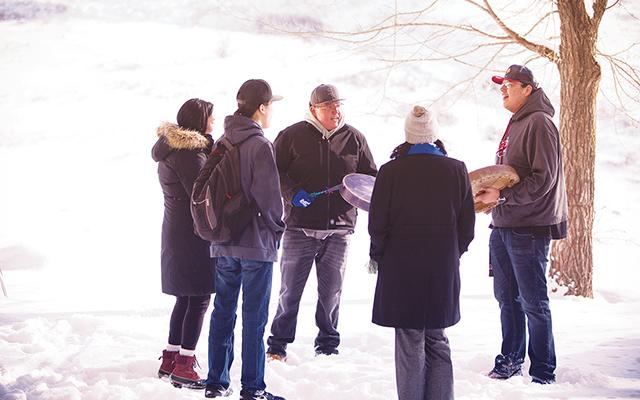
505 368
326 352
246 394
187 383
217 391
542 381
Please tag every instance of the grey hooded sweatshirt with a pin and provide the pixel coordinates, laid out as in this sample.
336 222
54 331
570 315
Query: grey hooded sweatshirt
261 183
533 150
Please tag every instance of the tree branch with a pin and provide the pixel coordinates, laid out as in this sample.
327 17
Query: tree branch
378 30
544 17
613 5
472 78
599 7
455 57
630 74
626 83
543 50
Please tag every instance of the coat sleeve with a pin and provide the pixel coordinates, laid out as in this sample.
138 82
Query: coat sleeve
379 218
542 149
282 146
366 164
188 165
265 187
466 214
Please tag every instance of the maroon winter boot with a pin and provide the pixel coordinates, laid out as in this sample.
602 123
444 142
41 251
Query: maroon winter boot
183 374
168 362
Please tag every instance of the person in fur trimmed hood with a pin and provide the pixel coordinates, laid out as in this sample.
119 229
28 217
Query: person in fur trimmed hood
188 272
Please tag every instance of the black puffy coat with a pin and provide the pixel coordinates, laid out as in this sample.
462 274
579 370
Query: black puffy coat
187 268
421 220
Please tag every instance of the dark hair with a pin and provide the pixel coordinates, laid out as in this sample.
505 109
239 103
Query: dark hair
440 146
403 149
193 115
247 110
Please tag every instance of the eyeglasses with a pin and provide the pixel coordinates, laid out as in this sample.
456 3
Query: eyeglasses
331 106
509 84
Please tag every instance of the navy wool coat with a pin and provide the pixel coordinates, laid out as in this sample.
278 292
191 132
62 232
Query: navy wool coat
421 220
187 268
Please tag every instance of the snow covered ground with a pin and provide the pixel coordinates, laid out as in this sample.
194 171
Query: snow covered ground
83 85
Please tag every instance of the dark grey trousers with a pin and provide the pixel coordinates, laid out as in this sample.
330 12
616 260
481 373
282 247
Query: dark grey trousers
299 252
423 365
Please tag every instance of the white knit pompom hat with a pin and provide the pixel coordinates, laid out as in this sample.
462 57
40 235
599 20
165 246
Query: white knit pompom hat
421 126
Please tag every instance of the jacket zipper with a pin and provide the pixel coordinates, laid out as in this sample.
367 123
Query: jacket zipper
327 158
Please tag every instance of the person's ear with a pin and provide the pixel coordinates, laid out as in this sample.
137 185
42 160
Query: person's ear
528 90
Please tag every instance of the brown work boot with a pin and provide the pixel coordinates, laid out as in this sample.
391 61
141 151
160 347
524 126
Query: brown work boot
183 374
168 362
276 357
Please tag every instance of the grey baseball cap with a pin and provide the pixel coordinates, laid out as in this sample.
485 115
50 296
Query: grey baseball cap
324 93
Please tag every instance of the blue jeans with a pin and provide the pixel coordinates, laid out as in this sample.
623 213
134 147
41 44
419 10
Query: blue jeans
299 251
255 279
519 262
423 365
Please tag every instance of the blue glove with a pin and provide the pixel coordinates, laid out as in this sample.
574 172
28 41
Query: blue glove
302 199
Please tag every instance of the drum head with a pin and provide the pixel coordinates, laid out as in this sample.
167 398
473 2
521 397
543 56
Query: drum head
356 190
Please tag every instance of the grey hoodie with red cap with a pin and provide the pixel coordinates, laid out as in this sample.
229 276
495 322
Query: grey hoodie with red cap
534 151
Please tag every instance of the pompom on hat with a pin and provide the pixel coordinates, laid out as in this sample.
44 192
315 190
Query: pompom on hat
421 126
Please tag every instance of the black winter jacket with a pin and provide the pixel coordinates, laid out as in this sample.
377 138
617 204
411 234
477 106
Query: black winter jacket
187 269
306 160
421 220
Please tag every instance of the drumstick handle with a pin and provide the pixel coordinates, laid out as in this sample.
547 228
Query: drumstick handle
329 190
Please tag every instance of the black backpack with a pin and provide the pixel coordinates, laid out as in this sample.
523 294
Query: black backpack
219 207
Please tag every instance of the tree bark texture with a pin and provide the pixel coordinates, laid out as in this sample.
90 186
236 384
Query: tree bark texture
580 74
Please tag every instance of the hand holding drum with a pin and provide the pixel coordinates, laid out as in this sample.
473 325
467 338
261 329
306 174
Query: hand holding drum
493 176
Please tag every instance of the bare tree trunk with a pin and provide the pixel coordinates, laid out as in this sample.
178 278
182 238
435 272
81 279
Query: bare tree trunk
572 258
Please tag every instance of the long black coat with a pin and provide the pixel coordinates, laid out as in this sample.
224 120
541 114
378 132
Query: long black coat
421 220
187 269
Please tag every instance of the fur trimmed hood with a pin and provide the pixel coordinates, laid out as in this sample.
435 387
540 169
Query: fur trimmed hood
172 137
179 138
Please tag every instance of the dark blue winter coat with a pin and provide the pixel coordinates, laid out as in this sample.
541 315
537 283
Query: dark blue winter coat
187 268
260 182
421 220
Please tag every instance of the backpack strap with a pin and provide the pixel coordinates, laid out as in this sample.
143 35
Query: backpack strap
227 143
